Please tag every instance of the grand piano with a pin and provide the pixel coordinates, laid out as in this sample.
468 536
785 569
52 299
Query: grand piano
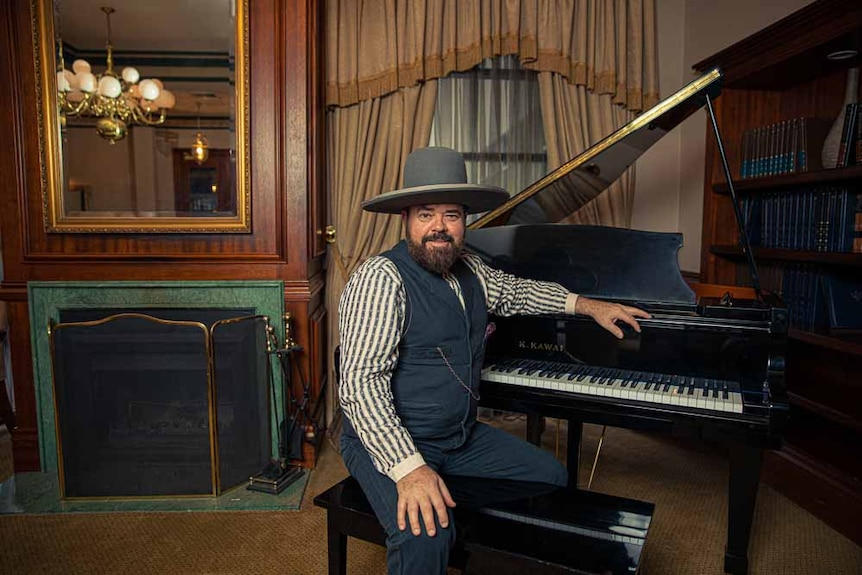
709 368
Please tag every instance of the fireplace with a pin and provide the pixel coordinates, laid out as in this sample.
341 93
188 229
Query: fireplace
154 390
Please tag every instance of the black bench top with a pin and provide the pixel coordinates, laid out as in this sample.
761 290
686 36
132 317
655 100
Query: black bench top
518 527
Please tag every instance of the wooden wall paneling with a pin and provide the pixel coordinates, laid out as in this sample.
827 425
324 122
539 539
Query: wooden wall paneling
25 445
294 119
286 174
317 142
15 138
11 130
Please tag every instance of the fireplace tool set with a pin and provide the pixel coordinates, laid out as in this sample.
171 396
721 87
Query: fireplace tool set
293 420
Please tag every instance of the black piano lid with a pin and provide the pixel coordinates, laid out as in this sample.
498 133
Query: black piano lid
610 263
572 185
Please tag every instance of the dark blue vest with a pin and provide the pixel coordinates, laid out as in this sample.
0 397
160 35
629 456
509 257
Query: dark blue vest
440 352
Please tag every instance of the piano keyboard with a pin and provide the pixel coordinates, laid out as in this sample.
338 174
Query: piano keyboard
685 391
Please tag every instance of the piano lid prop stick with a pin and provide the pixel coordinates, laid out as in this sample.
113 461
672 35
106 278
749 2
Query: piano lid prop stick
743 235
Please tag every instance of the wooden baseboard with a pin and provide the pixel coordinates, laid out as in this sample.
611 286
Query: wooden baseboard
833 498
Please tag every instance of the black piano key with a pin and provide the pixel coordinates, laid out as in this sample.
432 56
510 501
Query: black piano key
559 370
706 386
681 387
626 377
512 366
654 381
528 368
569 370
724 392
666 380
552 370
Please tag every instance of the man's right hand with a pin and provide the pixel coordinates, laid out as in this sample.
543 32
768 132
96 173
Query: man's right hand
423 490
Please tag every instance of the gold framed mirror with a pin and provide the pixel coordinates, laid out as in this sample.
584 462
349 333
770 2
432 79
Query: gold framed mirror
143 115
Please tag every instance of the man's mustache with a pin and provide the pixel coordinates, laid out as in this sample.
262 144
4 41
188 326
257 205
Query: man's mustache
438 237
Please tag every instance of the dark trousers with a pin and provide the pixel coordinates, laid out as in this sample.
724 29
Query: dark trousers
488 452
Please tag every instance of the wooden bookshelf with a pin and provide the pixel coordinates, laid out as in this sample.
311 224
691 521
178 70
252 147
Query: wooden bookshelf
797 180
778 74
847 259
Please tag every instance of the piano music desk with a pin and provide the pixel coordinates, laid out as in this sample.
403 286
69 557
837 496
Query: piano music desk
510 527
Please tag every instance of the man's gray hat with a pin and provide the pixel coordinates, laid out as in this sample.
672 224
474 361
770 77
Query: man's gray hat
437 175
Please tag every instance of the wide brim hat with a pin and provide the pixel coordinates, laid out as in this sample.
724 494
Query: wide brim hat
437 175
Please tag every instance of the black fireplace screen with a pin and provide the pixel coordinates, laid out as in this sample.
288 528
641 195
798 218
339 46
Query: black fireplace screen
159 403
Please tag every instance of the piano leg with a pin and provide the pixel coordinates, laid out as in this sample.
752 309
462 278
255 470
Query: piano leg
573 452
745 463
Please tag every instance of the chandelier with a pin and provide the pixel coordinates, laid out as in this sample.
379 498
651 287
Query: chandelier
116 100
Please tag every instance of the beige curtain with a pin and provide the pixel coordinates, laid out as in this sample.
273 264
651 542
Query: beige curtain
367 144
580 105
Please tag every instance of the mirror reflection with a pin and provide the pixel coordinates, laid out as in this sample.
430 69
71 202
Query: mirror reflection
145 99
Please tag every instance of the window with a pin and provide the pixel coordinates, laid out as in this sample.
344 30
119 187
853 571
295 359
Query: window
492 115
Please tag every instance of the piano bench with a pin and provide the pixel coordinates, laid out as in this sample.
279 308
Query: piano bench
520 528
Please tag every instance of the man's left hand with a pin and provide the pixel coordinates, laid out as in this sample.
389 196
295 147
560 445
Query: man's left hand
607 314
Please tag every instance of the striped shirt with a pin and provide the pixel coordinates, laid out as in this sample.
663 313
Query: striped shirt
371 321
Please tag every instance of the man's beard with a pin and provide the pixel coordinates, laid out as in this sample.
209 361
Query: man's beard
436 259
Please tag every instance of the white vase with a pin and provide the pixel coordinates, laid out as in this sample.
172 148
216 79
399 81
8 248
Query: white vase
829 156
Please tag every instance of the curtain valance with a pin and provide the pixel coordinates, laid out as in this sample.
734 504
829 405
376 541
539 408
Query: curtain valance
375 47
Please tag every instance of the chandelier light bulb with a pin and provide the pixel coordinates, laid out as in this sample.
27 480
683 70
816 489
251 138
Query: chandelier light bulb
131 75
63 84
110 87
81 66
149 89
86 82
71 78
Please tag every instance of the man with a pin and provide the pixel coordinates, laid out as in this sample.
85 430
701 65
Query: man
413 326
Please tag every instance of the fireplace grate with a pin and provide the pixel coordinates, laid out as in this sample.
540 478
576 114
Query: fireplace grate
170 402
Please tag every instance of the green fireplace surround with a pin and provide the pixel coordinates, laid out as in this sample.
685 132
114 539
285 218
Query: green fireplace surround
47 299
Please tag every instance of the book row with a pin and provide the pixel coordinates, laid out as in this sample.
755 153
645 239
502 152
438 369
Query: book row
817 299
783 148
850 147
822 219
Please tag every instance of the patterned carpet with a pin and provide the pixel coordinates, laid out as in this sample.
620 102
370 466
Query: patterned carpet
686 481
